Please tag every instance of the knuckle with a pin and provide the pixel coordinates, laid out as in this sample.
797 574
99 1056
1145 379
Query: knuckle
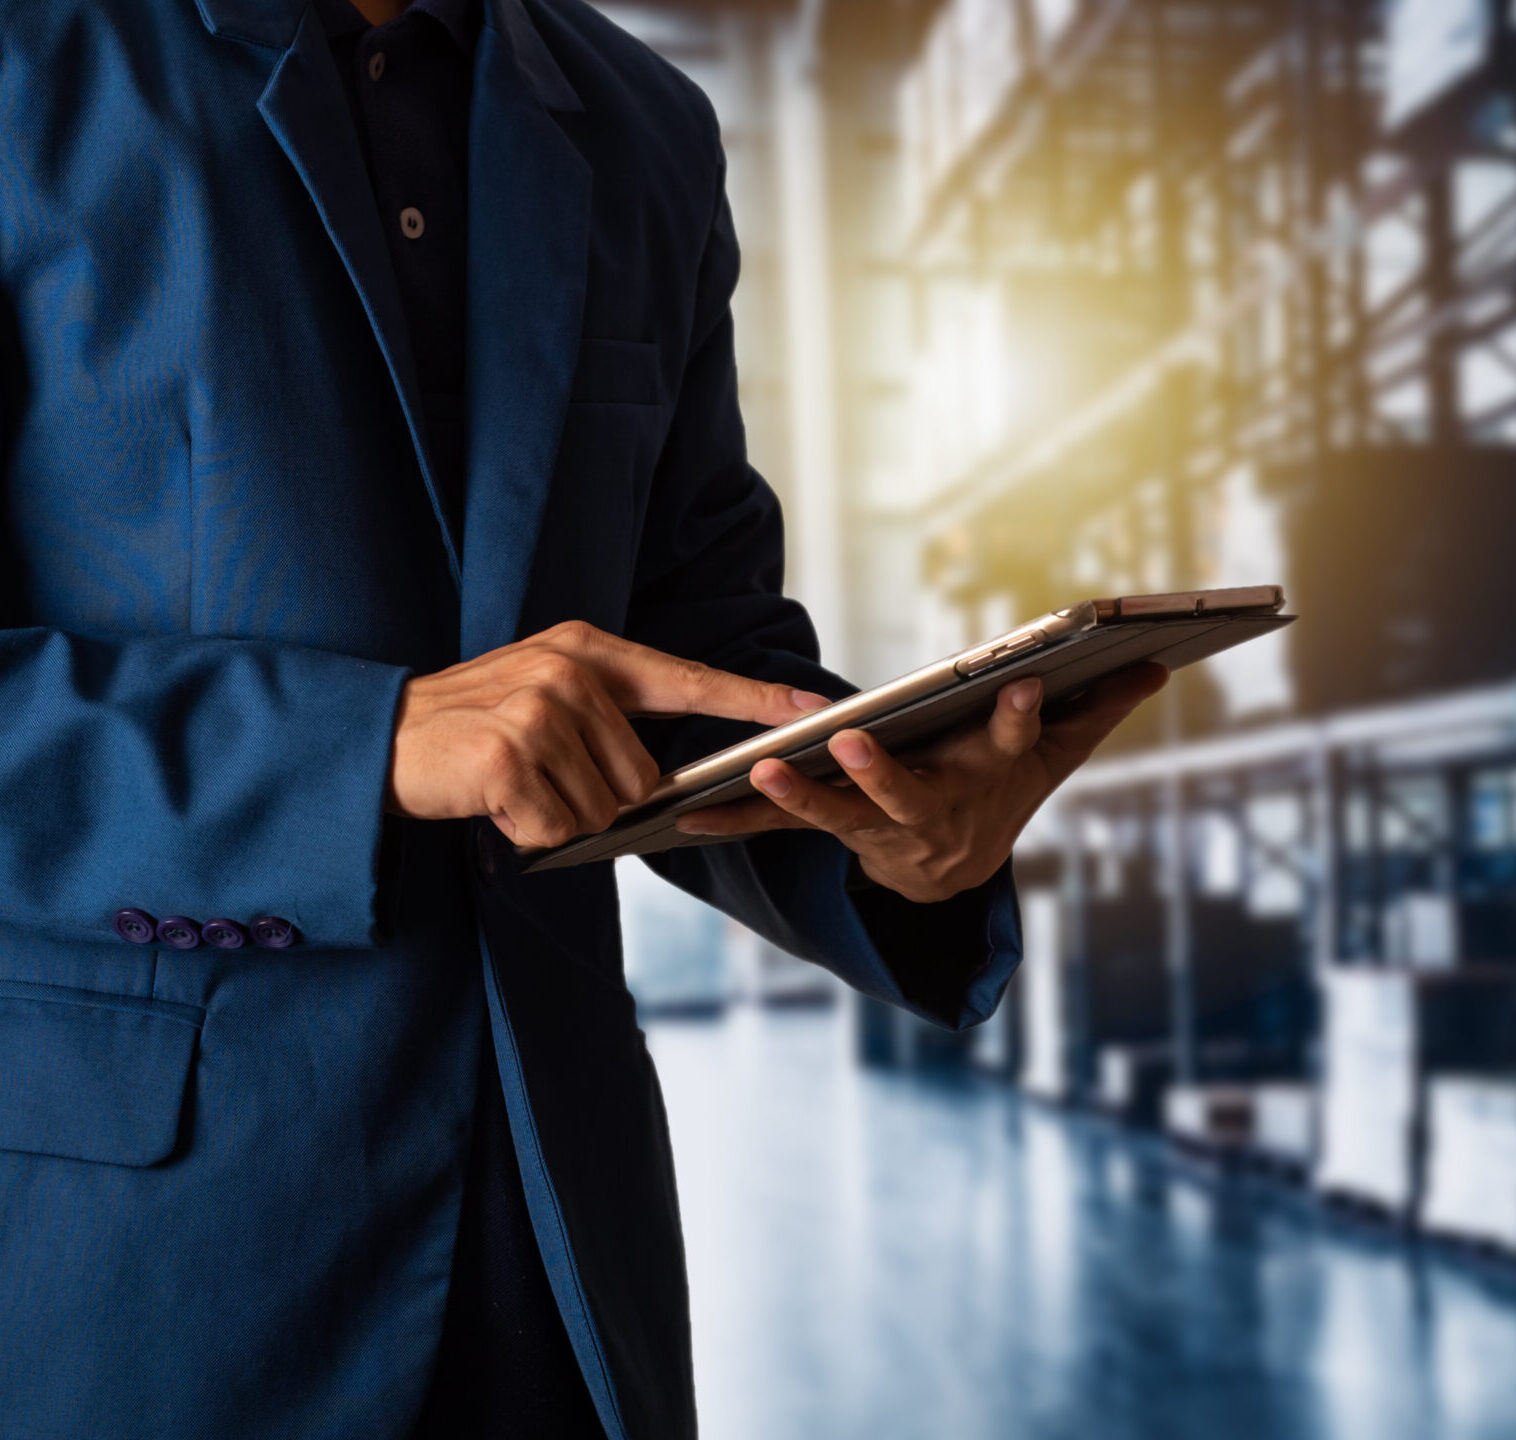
1026 732
507 763
645 775
934 877
560 672
938 864
533 707
809 805
575 633
490 751
603 814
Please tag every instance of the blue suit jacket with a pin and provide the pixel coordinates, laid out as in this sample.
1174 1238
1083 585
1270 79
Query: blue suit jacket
229 1179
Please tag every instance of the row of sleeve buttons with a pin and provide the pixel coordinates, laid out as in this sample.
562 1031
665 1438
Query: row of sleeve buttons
272 932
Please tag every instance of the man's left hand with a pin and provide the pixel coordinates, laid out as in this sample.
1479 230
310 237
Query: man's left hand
945 820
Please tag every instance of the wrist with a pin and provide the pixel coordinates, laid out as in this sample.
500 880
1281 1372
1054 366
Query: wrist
396 786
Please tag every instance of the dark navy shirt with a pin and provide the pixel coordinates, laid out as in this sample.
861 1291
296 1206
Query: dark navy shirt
505 1367
409 85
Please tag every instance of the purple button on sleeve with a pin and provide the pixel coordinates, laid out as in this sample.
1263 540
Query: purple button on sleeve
273 932
223 934
135 925
179 931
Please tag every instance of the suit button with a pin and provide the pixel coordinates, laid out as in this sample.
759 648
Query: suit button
135 925
272 932
179 931
223 934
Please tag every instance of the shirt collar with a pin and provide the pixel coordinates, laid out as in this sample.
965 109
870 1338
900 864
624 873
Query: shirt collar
459 17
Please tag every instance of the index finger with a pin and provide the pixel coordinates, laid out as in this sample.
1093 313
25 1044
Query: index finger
644 681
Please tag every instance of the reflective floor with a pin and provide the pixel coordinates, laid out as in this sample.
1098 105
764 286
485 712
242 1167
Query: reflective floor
886 1257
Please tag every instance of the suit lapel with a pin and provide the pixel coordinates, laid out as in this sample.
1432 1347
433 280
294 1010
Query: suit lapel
305 108
529 219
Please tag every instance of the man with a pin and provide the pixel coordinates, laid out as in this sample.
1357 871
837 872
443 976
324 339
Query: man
371 463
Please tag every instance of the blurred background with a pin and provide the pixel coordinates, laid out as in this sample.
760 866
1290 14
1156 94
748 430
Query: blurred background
1053 298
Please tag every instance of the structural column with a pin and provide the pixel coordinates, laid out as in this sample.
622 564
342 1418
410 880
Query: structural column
816 501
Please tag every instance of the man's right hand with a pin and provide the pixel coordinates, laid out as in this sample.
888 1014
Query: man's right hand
536 735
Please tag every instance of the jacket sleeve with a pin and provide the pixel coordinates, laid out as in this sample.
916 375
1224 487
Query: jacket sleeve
709 586
208 778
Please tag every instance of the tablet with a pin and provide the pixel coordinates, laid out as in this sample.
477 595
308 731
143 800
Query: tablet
1068 649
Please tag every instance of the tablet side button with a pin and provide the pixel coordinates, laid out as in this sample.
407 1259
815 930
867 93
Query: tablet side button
978 663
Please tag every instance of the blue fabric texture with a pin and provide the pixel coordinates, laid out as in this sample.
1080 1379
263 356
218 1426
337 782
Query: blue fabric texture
230 1179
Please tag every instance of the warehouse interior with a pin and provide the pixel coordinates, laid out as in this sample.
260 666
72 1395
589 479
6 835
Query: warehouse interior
1052 298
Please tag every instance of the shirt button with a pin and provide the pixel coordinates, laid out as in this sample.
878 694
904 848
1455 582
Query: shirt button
412 223
376 65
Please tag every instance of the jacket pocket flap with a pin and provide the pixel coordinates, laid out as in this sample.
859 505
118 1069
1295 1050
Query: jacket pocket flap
88 1076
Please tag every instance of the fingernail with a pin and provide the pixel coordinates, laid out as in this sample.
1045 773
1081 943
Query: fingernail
774 783
808 700
689 826
1026 694
853 751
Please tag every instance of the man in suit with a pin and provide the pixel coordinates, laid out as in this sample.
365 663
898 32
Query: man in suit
374 497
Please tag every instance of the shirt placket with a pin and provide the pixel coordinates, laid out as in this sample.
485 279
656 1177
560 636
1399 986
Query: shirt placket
423 215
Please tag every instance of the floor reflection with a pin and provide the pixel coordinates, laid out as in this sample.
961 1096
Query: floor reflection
888 1257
